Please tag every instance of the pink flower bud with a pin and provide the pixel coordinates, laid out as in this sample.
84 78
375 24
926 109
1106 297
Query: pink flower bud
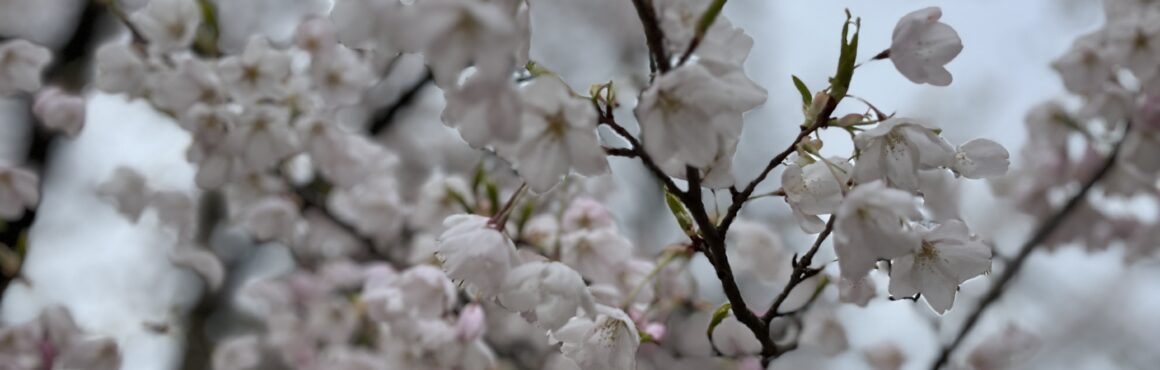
471 324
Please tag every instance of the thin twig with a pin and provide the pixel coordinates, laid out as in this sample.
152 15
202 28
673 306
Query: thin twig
739 198
1040 235
654 37
620 152
801 272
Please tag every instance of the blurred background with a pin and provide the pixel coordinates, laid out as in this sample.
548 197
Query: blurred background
1090 309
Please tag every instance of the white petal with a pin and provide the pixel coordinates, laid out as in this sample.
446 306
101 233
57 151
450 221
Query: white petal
982 158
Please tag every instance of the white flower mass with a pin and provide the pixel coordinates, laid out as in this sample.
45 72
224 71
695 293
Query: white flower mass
552 184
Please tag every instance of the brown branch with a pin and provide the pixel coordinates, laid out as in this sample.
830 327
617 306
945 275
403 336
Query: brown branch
801 272
654 37
739 198
1041 234
385 116
620 152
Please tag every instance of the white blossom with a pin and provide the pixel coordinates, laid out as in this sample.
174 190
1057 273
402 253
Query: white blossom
474 252
1085 68
609 341
369 24
272 218
884 356
896 150
120 69
263 137
558 135
1135 44
202 262
858 291
871 226
455 34
1008 349
21 64
815 189
341 76
921 46
981 158
193 81
948 256
685 112
373 207
168 25
758 250
586 213
486 110
595 253
260 72
546 293
60 111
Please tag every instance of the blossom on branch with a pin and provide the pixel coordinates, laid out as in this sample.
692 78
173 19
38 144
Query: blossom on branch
921 46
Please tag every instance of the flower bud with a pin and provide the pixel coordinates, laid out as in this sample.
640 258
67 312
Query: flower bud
59 111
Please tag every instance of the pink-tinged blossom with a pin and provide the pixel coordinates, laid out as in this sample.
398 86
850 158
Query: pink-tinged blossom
921 46
21 64
586 213
595 253
871 225
858 291
1085 69
948 256
1008 349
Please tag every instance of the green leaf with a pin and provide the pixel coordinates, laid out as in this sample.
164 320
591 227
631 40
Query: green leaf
679 212
719 315
807 98
708 17
840 84
493 196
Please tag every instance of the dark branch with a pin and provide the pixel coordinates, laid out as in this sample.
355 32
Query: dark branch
653 35
384 117
801 272
1041 234
620 152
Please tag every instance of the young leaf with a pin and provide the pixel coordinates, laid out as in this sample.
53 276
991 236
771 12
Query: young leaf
807 99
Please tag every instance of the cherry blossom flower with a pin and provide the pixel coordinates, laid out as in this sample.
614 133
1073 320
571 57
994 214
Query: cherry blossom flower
949 255
19 190
586 213
193 81
474 252
168 25
548 294
1135 44
60 111
815 189
21 63
858 291
272 218
609 341
558 134
455 34
896 150
871 226
921 46
1085 68
981 158
340 76
884 356
595 253
486 110
128 191
120 69
685 111
260 72
369 24
373 207
734 339
263 137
